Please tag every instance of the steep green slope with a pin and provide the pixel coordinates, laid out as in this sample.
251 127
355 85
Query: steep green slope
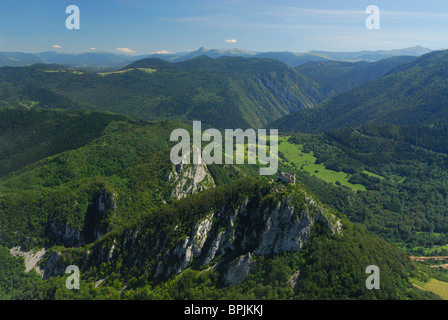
223 93
413 93
27 136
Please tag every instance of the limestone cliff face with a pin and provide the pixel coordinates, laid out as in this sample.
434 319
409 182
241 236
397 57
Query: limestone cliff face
106 205
34 261
96 225
280 222
187 179
32 258
239 269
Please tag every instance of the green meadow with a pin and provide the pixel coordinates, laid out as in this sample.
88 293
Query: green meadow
438 287
295 156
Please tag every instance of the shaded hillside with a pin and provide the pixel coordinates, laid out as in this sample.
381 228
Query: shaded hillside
412 93
334 77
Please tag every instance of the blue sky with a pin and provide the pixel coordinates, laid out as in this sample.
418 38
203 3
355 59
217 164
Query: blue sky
147 26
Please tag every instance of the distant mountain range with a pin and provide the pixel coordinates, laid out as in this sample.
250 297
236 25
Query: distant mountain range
223 91
103 60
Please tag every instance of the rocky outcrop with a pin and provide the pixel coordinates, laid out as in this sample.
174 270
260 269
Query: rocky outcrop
216 245
45 263
283 230
189 179
32 258
190 247
293 281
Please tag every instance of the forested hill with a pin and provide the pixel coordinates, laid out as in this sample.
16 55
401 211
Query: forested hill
225 93
412 93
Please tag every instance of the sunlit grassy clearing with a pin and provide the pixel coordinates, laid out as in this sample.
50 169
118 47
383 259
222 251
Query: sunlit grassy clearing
307 162
438 287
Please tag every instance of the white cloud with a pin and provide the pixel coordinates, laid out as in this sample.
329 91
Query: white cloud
57 46
163 52
231 41
126 50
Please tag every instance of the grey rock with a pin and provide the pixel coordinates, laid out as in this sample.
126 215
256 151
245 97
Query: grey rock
239 269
